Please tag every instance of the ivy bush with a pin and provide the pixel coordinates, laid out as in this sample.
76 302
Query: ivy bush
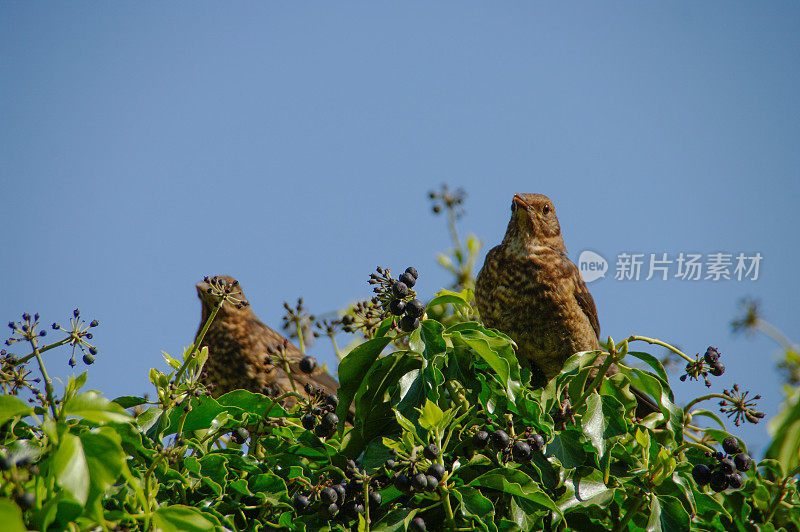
437 429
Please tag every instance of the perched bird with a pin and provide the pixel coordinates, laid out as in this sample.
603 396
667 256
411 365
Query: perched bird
243 353
530 290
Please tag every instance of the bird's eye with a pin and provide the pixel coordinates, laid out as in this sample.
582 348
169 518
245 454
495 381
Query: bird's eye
546 209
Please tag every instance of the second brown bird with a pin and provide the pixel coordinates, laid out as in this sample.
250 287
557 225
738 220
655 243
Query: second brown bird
244 353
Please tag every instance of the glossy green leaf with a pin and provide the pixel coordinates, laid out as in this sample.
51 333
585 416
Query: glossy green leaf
11 516
179 518
71 469
11 407
93 407
352 370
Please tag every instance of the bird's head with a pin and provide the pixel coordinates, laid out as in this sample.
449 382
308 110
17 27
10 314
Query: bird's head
211 290
533 224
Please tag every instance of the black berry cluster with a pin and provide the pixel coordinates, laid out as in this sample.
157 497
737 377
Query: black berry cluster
397 297
518 449
727 471
319 413
412 475
343 500
709 363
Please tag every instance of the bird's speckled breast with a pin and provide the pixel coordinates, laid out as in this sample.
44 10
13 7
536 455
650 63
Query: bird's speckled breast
533 302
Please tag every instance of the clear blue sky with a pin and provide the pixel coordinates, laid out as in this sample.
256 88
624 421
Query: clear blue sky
291 145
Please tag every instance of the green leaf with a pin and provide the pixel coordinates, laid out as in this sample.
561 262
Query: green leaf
497 352
352 370
473 503
104 456
11 516
585 487
651 361
430 415
603 421
12 407
447 297
95 408
129 401
179 518
667 515
71 469
515 482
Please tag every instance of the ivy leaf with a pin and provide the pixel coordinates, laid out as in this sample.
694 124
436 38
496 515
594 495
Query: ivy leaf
93 407
515 482
667 515
71 469
179 518
352 370
604 421
11 517
12 407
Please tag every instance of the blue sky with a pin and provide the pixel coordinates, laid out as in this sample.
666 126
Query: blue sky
291 145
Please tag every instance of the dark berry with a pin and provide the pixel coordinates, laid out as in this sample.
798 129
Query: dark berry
329 420
27 500
436 471
412 271
431 451
352 508
94 323
480 439
417 525
701 474
717 368
499 440
240 435
712 355
390 464
400 289
536 441
309 421
402 483
521 452
726 466
324 431
433 482
419 482
375 499
332 400
408 280
328 495
340 491
719 481
735 481
731 445
397 307
408 323
332 510
308 364
742 462
300 502
88 359
415 308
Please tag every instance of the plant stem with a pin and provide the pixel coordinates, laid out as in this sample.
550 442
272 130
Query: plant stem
637 505
448 510
675 350
703 398
199 340
43 349
601 373
48 383
776 500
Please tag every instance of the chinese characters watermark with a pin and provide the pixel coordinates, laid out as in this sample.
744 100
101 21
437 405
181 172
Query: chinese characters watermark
663 266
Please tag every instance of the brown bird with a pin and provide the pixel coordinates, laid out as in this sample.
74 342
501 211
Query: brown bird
530 290
243 353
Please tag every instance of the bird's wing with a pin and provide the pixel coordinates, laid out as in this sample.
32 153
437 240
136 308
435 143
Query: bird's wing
581 293
272 339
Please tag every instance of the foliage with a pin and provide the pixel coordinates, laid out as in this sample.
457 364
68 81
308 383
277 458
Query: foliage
411 455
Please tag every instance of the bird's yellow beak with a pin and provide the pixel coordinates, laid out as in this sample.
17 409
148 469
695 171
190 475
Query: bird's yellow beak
519 200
